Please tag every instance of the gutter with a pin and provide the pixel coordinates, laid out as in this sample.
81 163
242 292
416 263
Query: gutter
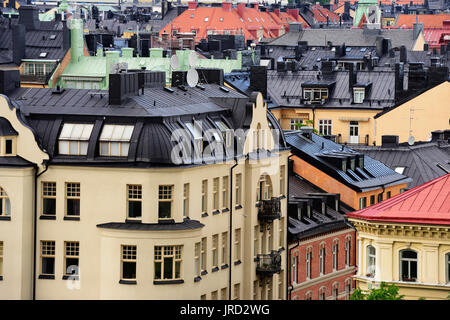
36 176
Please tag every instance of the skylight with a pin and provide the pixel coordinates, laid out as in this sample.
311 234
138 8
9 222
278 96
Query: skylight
206 19
42 54
52 37
399 170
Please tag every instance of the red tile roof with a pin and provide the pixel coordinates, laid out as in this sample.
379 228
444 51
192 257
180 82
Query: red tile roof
426 204
250 22
320 14
429 20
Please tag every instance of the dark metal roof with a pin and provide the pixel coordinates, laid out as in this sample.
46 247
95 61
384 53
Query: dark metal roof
374 174
422 162
6 129
187 224
15 161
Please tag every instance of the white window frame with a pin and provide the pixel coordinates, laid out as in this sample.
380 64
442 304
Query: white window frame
76 136
325 127
114 134
358 95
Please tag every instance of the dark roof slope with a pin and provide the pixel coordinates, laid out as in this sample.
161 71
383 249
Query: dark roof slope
6 129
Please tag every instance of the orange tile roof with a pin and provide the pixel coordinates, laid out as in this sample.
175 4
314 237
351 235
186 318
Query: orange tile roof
250 22
320 14
429 20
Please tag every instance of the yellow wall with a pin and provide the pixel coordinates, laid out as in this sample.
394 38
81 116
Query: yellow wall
430 111
431 242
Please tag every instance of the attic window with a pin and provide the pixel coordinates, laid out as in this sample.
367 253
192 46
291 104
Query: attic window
363 49
115 140
206 19
348 49
42 54
226 133
358 95
220 19
197 134
74 138
52 37
399 170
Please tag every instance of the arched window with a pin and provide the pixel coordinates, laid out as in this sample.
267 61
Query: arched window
5 204
371 261
322 293
264 188
408 265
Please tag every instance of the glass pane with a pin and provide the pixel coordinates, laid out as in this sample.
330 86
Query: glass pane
129 270
117 133
115 149
77 131
134 209
157 270
48 265
125 148
405 269
73 147
409 254
66 131
49 206
87 129
127 133
168 268
83 148
71 266
104 148
107 132
164 209
73 207
413 272
64 147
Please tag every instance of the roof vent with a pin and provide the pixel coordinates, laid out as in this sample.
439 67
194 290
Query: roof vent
200 87
225 89
169 89
307 132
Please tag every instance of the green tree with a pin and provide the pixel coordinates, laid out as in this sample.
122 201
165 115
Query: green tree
384 292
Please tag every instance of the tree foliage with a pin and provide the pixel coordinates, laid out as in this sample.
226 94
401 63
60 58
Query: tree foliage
384 292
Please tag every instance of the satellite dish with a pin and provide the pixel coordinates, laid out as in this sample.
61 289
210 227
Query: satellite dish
192 78
411 140
192 59
174 62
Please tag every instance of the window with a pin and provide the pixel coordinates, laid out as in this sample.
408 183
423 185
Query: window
325 127
308 295
134 201
237 244
128 262
372 199
322 258
255 289
447 266
315 94
115 140
215 249
48 258
294 269
215 193
197 259
5 204
196 132
238 188
204 196
380 197
74 138
237 291
256 241
371 261
348 288
168 262
186 200
335 254
281 285
294 124
72 199
71 257
214 295
308 263
165 202
282 179
225 131
49 198
399 170
362 202
203 254
388 194
335 291
1 258
322 293
348 244
270 239
358 95
408 265
224 248
8 146
225 192
281 233
223 294
203 297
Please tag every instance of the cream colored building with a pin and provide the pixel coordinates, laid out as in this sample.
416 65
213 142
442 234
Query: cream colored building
405 241
93 208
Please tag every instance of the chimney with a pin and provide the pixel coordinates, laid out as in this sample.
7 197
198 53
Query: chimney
307 132
76 39
258 79
255 5
443 49
9 80
66 35
352 76
399 77
277 12
226 6
403 54
12 4
241 8
18 40
295 27
122 86
192 5
29 16
389 141
379 46
425 47
293 13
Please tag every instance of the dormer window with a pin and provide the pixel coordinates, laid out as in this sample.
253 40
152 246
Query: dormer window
358 95
8 146
315 94
74 138
226 132
196 132
115 140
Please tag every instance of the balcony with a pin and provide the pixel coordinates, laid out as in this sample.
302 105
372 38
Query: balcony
269 210
36 79
268 264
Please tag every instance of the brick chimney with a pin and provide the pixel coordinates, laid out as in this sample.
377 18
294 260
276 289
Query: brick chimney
293 13
192 5
255 5
277 12
226 6
241 8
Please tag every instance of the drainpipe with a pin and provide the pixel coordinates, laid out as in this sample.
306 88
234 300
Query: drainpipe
289 291
231 227
36 176
288 253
